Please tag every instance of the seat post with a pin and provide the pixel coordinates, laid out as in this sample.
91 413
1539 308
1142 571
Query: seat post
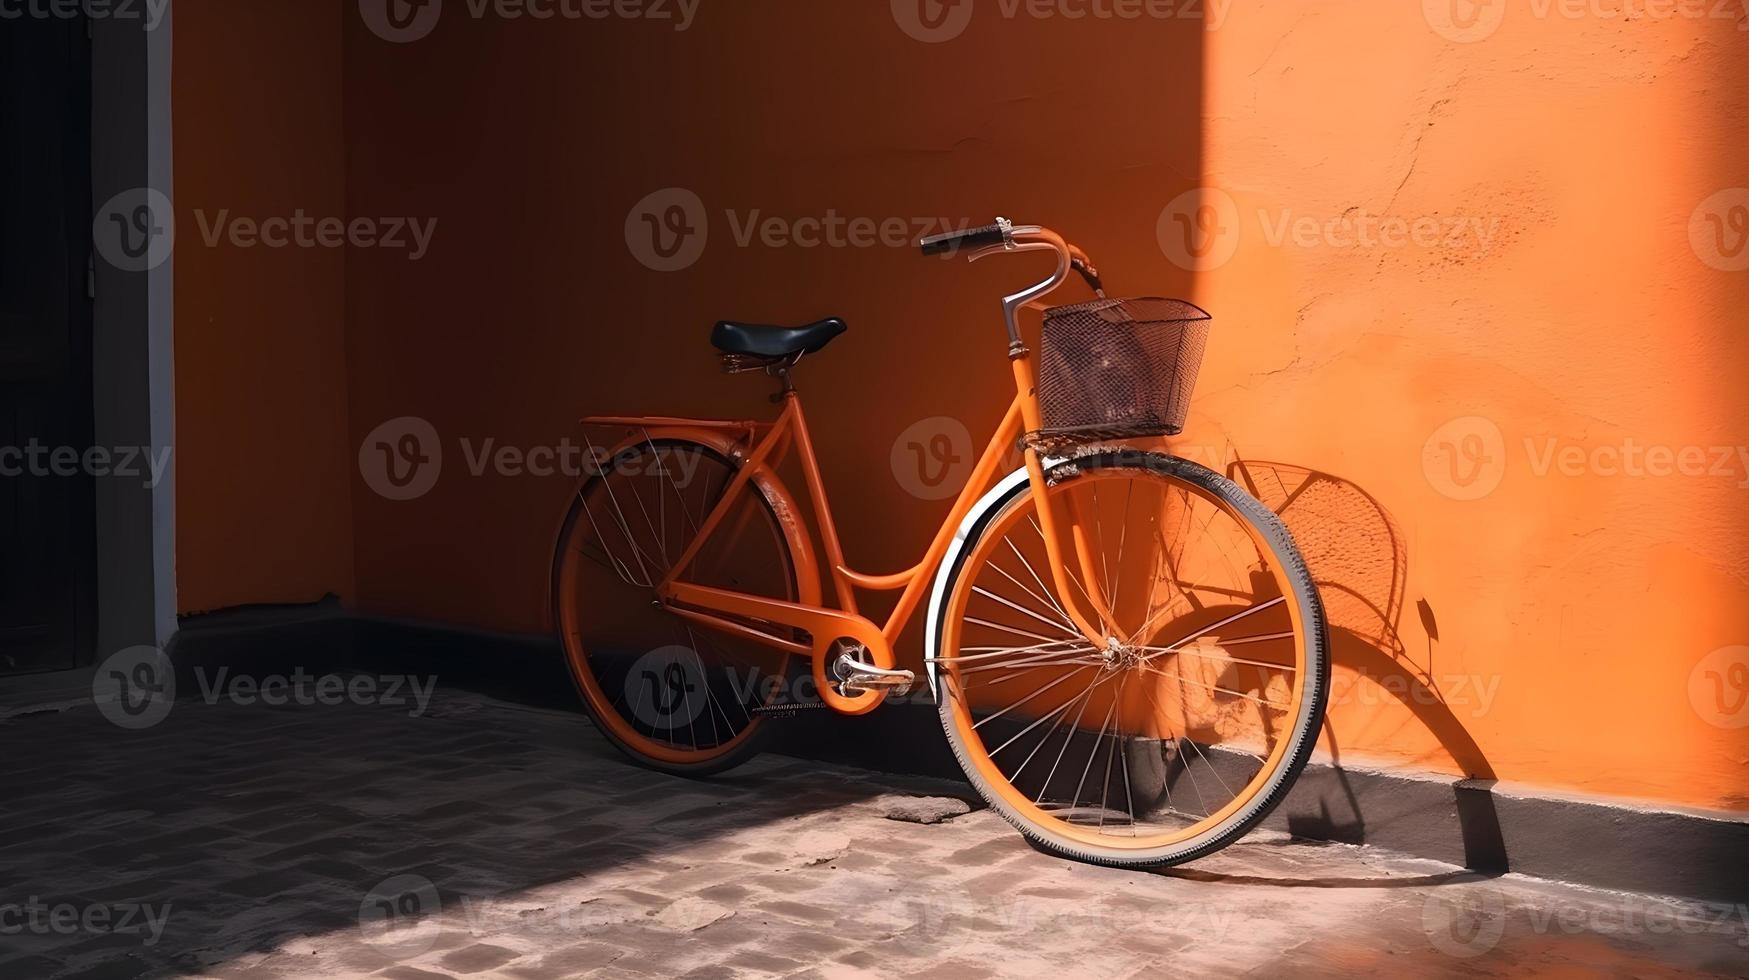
782 370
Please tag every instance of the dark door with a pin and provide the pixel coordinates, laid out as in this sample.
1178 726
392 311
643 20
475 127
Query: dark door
45 345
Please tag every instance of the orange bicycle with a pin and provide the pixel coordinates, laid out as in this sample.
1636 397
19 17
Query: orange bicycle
1125 649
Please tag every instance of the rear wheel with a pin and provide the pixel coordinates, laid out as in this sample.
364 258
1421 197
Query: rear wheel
1187 726
673 694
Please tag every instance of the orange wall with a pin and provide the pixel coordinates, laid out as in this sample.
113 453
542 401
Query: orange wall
263 500
1552 631
1588 597
531 142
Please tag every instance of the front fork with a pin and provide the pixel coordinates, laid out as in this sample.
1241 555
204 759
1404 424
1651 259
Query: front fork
1087 608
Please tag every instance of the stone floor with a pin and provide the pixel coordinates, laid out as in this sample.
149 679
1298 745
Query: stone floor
482 839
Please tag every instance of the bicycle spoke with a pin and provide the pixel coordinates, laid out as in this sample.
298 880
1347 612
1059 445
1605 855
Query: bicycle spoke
1129 800
989 718
1278 600
1216 688
1022 587
1189 652
985 653
1188 771
1043 718
1123 529
1067 631
1059 712
1044 659
1075 804
1035 576
1005 629
1206 762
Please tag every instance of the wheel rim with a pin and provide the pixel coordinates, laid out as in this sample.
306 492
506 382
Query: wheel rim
669 690
1056 728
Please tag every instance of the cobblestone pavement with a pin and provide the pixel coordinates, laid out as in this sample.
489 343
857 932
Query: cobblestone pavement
486 839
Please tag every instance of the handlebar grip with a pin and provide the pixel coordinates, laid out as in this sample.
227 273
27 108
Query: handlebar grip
994 234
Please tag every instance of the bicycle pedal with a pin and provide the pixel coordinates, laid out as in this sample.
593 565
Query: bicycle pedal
856 677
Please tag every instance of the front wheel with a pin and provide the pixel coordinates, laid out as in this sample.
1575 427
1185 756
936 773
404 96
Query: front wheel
1188 725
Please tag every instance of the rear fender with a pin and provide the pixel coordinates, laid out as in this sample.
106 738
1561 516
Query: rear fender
732 440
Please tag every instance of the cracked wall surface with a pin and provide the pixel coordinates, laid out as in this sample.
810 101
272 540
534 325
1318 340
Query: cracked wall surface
1561 318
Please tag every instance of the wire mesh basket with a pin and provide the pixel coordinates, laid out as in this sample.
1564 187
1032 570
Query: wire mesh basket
1118 369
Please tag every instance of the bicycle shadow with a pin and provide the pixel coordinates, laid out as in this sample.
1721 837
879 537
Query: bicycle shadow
1359 561
1411 881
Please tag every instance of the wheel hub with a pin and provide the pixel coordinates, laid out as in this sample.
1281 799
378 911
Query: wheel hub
1120 656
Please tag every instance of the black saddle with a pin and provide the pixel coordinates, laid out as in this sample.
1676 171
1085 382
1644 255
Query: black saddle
763 340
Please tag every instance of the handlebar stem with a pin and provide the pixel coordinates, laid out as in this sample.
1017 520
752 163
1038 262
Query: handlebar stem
1030 238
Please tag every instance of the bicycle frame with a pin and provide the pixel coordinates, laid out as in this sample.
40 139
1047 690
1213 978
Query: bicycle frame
767 620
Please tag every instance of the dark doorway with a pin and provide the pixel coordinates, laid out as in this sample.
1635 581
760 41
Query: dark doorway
46 512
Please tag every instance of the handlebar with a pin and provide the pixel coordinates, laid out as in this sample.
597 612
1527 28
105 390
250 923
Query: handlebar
998 233
1001 234
1004 236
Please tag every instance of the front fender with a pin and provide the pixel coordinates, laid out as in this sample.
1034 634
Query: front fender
980 514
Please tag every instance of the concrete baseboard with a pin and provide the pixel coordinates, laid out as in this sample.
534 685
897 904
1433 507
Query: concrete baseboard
1472 823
